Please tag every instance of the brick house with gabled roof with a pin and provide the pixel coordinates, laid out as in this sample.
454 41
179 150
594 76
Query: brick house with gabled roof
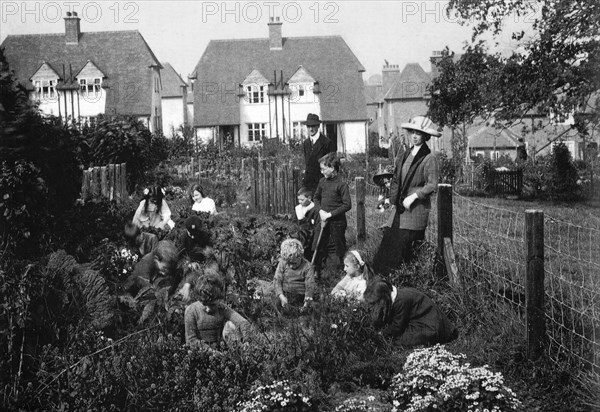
250 89
80 75
174 101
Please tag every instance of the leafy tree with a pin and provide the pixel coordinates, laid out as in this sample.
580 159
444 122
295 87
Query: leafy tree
463 91
39 169
554 72
123 140
562 175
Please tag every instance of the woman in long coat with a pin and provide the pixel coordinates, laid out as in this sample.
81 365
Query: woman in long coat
415 180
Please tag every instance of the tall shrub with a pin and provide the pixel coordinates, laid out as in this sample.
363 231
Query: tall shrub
123 140
562 175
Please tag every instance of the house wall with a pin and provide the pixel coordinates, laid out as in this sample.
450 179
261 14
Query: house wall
77 104
205 135
49 106
156 103
401 111
292 111
491 154
190 113
172 114
354 137
90 105
253 113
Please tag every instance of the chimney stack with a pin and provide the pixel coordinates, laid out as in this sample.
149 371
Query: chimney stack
390 73
275 39
72 30
435 58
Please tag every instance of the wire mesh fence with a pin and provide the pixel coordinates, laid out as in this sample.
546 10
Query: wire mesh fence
572 266
491 252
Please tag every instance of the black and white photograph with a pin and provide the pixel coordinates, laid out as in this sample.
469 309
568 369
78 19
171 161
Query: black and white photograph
300 206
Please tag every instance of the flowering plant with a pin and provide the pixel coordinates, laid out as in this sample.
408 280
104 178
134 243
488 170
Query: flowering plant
434 379
358 405
279 396
124 261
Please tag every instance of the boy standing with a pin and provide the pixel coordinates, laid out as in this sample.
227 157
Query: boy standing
306 216
333 199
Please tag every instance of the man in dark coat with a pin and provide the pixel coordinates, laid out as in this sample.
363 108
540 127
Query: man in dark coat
315 147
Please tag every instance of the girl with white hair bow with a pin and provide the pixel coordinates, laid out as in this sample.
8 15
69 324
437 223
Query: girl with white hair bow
354 283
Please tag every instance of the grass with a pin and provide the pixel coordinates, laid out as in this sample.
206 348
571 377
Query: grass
489 305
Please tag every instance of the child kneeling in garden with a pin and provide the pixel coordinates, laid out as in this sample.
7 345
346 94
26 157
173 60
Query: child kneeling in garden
407 315
358 272
209 320
294 281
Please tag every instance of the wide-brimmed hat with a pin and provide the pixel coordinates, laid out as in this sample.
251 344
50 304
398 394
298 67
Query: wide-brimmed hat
312 120
387 173
422 124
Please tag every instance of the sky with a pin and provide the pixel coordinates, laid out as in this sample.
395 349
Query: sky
400 31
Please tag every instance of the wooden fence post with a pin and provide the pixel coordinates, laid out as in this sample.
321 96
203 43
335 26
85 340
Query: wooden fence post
361 229
444 224
111 181
534 283
255 184
104 190
124 192
85 186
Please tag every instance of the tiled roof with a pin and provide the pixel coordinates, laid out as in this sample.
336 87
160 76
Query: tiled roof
225 63
489 137
123 56
172 83
412 84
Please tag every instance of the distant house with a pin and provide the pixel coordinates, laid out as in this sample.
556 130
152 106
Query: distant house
405 95
251 89
492 143
78 76
374 100
174 101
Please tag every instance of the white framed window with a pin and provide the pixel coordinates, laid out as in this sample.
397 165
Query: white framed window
299 131
45 89
255 93
300 92
90 87
256 131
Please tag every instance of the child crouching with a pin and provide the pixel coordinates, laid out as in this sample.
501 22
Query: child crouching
294 281
354 284
209 320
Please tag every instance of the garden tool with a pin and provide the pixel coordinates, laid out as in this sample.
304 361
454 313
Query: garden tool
312 261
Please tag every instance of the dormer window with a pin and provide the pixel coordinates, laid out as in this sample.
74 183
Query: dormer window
45 89
255 93
300 92
90 87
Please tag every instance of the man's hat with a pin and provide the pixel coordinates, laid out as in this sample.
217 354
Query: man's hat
422 124
312 120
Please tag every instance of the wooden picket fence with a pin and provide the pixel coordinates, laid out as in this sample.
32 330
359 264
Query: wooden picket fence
274 186
105 182
505 182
